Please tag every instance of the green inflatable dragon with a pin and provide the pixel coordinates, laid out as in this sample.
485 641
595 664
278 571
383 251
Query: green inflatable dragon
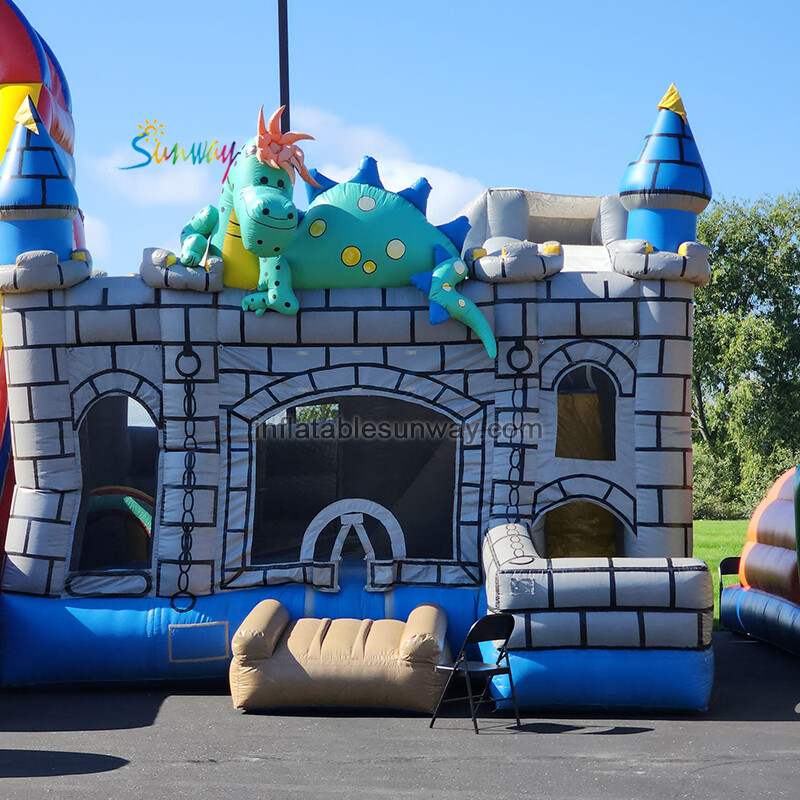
354 234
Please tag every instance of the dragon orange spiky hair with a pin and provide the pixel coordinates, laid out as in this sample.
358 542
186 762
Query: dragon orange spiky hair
279 149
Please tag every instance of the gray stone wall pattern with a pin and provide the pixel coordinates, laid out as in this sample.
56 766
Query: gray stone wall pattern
65 349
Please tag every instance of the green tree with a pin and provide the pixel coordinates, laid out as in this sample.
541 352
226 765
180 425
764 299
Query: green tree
746 382
317 413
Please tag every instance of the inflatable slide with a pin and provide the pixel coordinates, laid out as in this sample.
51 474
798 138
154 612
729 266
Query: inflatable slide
766 602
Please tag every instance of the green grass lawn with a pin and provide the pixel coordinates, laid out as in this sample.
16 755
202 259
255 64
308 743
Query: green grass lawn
715 539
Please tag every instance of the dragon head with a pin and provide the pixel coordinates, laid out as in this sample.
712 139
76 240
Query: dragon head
262 181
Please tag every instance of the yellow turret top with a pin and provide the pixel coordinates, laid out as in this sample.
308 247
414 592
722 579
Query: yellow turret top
671 101
25 115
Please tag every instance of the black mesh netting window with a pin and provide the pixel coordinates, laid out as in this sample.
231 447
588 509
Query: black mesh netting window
393 452
119 463
587 404
581 529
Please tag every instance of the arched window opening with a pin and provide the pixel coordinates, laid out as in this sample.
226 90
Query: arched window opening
587 404
396 454
119 464
582 529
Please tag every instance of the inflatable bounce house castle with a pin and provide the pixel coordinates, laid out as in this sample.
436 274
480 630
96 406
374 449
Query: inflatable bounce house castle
353 412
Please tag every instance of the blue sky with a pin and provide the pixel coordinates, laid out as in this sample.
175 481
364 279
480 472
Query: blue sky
545 96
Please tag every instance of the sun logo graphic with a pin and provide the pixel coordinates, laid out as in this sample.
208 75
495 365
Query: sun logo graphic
199 152
154 129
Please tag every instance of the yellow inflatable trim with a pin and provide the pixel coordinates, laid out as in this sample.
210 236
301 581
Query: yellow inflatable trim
241 266
671 101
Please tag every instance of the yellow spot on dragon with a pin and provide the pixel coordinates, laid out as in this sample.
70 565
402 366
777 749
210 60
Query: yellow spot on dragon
366 202
369 267
317 227
351 256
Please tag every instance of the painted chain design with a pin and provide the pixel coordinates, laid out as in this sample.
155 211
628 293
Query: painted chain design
187 364
519 360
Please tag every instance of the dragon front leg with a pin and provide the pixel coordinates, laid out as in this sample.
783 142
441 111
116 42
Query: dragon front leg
440 286
195 235
274 289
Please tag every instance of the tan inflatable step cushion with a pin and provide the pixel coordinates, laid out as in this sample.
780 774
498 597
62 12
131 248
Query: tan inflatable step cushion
340 662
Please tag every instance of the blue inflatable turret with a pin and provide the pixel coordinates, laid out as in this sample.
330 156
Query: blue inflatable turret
667 186
38 201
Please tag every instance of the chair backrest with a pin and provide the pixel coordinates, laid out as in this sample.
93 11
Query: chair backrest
728 566
492 627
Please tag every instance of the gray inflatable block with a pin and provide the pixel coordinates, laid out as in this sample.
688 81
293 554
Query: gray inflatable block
642 588
518 578
160 269
638 246
517 262
693 585
659 630
28 574
38 270
507 213
546 629
612 629
495 244
690 264
611 222
677 629
579 589
508 556
45 505
111 585
497 212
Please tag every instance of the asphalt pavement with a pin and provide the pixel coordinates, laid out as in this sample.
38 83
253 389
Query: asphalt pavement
190 743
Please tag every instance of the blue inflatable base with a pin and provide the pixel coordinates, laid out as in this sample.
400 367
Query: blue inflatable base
120 640
642 679
763 616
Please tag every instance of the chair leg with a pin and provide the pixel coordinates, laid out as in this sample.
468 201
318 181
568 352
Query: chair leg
471 701
441 698
484 693
513 692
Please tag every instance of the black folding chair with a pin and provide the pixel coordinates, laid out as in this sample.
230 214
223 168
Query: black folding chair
495 628
728 566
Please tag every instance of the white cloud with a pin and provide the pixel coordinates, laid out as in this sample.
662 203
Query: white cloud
98 236
158 184
336 140
339 147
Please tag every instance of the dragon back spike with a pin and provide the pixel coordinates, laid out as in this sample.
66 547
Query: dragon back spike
417 194
368 173
456 231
